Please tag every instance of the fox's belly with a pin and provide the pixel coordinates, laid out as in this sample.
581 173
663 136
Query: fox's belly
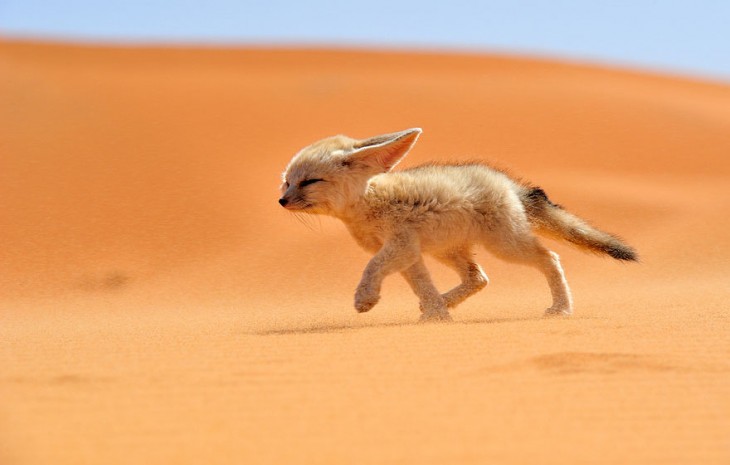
447 232
437 240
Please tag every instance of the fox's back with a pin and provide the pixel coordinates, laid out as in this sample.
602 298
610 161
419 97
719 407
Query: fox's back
442 187
457 201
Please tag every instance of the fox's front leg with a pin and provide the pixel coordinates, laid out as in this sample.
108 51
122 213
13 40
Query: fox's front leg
396 254
433 304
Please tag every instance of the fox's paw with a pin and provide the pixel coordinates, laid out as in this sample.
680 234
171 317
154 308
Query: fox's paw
448 303
558 311
365 300
435 316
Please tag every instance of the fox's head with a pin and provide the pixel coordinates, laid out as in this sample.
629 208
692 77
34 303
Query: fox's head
332 174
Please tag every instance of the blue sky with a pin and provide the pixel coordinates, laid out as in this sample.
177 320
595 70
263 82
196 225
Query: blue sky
688 37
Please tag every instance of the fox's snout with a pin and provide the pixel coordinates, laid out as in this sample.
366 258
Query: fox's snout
289 196
294 202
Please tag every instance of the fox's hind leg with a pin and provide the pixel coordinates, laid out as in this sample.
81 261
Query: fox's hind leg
473 278
549 263
432 302
529 251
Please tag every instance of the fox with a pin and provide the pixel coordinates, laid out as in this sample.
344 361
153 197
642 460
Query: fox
440 209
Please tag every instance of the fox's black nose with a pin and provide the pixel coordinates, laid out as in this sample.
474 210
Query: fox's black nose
283 201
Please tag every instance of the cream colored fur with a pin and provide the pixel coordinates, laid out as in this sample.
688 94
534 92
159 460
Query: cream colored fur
441 210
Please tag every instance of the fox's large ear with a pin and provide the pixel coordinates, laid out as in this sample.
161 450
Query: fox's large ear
385 151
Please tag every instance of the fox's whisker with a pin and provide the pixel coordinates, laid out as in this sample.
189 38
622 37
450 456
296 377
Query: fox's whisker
304 219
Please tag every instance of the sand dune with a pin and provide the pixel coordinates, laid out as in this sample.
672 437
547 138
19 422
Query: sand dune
157 306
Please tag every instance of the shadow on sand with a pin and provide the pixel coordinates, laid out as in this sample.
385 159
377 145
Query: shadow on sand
349 327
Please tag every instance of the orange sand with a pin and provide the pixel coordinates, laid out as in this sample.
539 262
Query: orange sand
158 306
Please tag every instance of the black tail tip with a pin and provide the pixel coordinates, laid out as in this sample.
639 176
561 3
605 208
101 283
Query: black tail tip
624 253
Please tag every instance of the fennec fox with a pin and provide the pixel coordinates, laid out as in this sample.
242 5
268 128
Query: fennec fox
442 210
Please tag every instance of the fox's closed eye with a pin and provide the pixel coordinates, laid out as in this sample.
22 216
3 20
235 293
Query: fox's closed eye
307 182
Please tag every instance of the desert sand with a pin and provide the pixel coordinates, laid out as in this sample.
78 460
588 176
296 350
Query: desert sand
158 307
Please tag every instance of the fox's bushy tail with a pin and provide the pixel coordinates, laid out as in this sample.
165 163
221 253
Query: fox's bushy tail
550 219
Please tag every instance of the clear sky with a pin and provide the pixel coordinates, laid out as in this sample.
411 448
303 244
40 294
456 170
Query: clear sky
685 36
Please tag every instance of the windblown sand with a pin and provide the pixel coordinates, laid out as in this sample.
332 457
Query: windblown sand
158 307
